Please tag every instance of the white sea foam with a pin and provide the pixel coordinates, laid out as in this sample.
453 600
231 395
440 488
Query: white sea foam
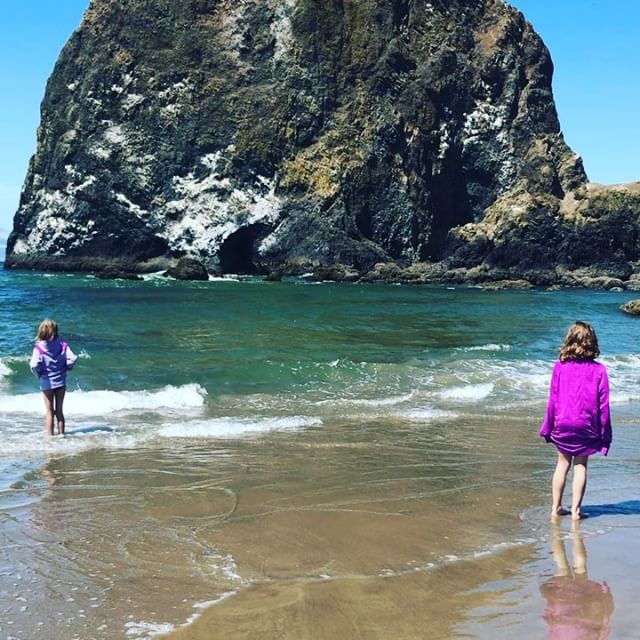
5 371
235 427
471 392
226 567
453 558
487 347
200 606
145 630
424 414
100 403
388 401
622 397
229 278
383 402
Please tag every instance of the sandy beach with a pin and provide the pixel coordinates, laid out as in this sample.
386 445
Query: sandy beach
580 583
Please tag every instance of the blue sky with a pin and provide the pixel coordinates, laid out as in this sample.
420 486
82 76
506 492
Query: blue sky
594 45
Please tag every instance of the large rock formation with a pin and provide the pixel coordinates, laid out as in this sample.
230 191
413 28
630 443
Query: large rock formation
292 134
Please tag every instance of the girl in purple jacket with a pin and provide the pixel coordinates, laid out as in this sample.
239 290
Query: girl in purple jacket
50 361
577 418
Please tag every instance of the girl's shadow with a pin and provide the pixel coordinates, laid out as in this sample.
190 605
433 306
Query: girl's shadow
626 508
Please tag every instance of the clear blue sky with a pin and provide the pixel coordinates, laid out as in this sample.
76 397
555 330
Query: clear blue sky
595 46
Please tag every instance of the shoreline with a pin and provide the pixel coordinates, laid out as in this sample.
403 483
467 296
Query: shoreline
618 278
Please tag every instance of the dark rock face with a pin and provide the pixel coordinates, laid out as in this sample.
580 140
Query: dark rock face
290 134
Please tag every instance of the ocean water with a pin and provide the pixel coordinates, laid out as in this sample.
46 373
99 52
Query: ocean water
225 435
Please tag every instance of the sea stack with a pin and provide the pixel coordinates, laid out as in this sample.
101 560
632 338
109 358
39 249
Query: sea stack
287 135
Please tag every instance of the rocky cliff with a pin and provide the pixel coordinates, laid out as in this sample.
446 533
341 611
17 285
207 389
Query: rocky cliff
257 135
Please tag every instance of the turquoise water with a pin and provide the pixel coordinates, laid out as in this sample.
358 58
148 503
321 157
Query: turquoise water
329 393
164 359
255 350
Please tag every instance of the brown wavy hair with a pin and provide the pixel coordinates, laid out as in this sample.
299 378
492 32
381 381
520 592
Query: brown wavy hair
580 343
48 330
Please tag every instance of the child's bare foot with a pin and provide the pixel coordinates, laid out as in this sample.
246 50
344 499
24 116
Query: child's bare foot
578 515
559 512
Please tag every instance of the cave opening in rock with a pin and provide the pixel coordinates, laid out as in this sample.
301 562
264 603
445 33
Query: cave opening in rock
450 208
238 252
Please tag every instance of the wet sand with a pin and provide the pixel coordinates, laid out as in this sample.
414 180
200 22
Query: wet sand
416 605
580 583
385 532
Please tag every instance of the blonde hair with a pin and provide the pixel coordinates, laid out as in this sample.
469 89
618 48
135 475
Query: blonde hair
580 343
48 330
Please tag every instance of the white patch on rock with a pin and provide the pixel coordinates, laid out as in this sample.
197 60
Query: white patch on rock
176 90
79 181
445 140
175 98
170 111
208 209
100 152
281 28
37 182
21 247
53 230
135 209
132 100
233 30
269 242
142 167
115 134
72 189
487 121
95 102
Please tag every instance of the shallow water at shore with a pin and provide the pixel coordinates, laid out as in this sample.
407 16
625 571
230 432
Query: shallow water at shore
249 460
378 531
131 529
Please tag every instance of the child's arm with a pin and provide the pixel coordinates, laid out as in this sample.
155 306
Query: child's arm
71 357
605 414
549 417
35 363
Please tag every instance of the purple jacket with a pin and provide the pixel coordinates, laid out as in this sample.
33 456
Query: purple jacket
577 419
50 362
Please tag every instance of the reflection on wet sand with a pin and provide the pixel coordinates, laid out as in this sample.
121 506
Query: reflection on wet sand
575 607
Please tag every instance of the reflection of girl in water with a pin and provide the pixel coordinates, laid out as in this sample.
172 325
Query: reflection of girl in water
576 608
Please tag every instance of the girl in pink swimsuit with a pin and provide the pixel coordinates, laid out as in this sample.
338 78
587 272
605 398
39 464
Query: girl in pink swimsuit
577 420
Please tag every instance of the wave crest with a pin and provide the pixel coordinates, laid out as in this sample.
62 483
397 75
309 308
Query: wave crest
104 402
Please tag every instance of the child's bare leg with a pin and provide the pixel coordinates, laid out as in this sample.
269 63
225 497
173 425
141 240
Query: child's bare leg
48 411
579 485
557 483
59 401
